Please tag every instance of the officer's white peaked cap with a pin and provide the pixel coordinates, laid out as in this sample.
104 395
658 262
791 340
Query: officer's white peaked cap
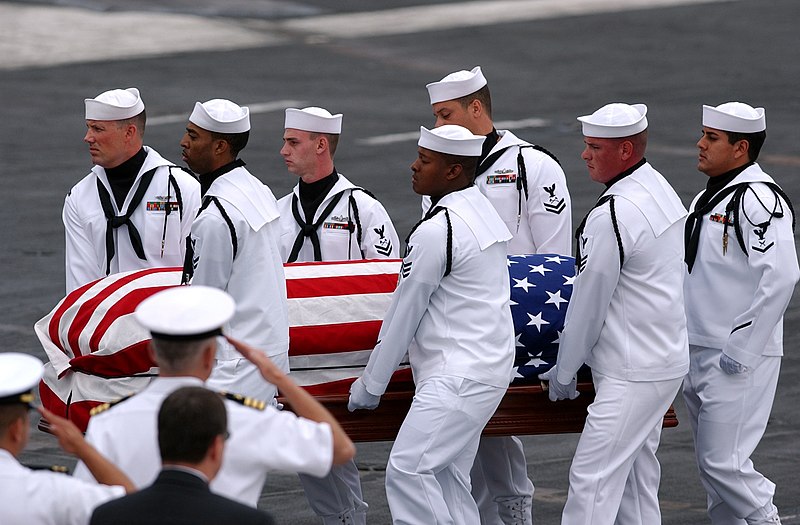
615 120
456 85
451 139
186 312
116 104
313 119
735 116
19 375
221 116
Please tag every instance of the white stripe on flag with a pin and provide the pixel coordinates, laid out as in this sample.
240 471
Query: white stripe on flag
341 270
338 309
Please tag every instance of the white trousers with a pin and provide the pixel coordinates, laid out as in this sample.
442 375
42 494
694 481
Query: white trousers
615 475
500 478
240 376
728 415
427 477
337 497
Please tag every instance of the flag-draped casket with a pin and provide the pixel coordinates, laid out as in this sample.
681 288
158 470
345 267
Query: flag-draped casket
98 352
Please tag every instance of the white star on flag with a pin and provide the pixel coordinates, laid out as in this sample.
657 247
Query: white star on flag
556 299
524 284
537 321
558 336
556 259
517 341
535 362
569 280
509 262
539 268
512 302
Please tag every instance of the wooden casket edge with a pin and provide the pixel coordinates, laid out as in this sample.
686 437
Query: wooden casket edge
524 410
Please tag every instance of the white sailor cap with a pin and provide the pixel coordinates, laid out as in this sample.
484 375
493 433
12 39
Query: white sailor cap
115 104
186 313
456 85
735 116
615 120
221 116
19 375
451 139
313 119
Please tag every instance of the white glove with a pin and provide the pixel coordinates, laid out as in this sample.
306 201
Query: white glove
360 398
730 365
556 390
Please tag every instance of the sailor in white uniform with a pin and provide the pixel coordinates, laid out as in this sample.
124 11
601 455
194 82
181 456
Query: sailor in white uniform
326 217
451 313
742 264
185 323
528 189
624 321
40 497
134 209
234 244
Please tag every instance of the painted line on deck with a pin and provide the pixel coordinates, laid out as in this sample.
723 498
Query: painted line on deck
42 36
441 17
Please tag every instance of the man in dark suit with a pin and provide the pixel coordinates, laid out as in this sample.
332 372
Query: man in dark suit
192 429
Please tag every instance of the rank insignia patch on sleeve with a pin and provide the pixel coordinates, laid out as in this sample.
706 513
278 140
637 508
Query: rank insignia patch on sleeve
553 204
761 246
384 244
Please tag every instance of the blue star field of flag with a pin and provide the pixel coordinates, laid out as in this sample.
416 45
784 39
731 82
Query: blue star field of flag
541 286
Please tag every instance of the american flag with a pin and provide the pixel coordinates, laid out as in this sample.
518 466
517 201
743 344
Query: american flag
97 350
541 286
335 313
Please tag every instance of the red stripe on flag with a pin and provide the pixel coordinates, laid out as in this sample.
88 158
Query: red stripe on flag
51 401
87 308
134 359
55 321
78 412
341 285
124 306
333 338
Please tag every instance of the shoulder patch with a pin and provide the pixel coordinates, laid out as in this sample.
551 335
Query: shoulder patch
249 402
99 409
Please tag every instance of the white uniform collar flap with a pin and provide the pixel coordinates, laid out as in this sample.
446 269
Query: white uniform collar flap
342 184
752 173
152 160
247 194
478 214
653 195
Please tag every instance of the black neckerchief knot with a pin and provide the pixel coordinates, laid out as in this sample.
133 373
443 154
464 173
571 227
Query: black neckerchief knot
308 229
114 221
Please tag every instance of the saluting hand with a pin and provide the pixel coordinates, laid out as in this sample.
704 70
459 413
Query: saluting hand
70 438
